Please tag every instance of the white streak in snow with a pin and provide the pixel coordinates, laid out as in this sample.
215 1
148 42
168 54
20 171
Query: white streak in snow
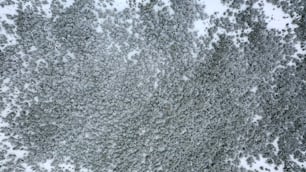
256 118
297 162
291 63
254 89
275 144
185 78
132 54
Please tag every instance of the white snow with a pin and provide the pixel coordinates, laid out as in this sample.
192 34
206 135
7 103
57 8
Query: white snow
301 164
217 8
4 85
4 11
120 5
70 55
36 99
27 168
142 131
256 118
33 48
277 67
47 9
5 111
167 4
99 29
156 77
83 169
27 5
214 7
261 162
299 50
275 144
185 78
238 39
276 18
131 54
67 165
19 154
68 3
40 62
254 89
47 165
8 10
291 63
201 27
11 38
156 84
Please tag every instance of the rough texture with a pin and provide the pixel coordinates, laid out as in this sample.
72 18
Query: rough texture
86 87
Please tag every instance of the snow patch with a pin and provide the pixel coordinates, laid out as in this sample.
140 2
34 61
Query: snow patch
131 54
67 165
257 118
4 139
5 11
276 18
277 67
214 7
260 164
67 3
4 85
291 63
164 4
156 84
185 78
46 8
297 162
254 89
83 169
275 144
201 27
119 5
8 10
47 165
156 78
33 48
27 168
26 5
99 29
299 51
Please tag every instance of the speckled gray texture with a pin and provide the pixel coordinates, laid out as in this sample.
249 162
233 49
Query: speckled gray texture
87 87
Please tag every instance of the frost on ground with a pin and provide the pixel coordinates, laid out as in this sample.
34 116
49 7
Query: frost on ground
162 85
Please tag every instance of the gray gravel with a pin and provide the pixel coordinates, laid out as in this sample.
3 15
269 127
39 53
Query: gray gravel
91 88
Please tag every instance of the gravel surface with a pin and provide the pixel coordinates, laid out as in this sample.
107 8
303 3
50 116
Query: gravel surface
152 86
